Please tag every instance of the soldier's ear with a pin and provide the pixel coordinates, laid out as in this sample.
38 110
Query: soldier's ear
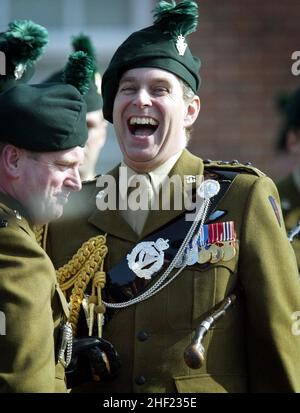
192 111
10 159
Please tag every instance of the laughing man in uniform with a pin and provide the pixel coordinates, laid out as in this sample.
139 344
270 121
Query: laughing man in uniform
165 274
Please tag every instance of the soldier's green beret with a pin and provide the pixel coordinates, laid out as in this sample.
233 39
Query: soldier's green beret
22 44
162 46
48 117
93 98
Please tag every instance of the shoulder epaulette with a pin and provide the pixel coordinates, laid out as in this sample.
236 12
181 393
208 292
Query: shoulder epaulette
3 222
234 166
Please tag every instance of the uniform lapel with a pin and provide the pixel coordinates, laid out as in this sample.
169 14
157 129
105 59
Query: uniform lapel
111 221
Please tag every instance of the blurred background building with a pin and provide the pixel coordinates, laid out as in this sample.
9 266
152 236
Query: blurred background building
246 49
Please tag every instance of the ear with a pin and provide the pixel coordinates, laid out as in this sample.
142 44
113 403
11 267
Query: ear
11 160
293 142
192 111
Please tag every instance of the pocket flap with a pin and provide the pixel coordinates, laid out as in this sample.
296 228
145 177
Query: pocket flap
206 383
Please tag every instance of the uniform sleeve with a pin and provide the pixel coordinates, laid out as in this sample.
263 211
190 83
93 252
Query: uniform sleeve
271 287
27 361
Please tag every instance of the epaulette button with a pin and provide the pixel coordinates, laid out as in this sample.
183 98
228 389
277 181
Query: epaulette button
3 223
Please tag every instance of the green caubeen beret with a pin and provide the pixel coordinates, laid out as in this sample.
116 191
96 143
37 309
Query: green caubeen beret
162 46
48 117
93 98
20 46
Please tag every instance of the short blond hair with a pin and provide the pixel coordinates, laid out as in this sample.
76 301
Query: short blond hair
188 95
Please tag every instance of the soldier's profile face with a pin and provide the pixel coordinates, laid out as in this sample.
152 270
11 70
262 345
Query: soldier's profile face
47 180
149 117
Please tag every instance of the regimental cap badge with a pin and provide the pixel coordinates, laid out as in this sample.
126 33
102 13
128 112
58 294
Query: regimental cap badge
98 81
19 71
181 45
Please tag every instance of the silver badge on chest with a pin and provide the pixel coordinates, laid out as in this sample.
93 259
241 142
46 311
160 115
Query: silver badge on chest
147 257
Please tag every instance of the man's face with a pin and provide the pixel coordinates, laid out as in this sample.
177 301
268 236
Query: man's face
47 180
97 135
150 116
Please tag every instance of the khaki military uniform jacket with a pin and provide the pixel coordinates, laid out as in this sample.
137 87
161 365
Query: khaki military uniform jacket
32 304
252 349
289 192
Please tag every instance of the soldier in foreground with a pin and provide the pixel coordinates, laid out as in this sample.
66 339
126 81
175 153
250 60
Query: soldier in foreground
165 273
43 132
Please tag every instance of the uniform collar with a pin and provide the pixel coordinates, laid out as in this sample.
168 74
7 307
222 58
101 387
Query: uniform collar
158 175
113 223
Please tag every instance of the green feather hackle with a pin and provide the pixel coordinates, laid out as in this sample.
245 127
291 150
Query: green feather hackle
83 43
26 41
282 101
176 19
79 70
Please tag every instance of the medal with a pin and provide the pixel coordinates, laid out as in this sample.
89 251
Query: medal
216 253
204 255
229 251
192 255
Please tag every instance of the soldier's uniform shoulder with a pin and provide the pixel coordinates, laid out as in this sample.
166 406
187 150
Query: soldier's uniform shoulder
234 167
92 181
89 186
4 218
8 218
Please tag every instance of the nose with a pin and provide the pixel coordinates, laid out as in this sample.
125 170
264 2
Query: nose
142 98
73 180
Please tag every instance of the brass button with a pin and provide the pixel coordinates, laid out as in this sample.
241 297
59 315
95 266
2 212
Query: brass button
3 223
143 336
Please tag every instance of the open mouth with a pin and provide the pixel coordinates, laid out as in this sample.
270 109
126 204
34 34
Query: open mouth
142 126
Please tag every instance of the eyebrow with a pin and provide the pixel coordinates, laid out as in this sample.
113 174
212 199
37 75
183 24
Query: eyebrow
67 162
134 79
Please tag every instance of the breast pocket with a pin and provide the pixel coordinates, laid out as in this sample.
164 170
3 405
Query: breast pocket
197 290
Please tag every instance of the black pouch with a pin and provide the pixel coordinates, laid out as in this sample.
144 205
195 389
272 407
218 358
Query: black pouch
93 359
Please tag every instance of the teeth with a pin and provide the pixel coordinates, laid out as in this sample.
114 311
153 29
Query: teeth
143 121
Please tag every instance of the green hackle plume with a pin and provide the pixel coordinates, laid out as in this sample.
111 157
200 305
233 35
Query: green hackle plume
83 43
79 70
27 41
177 19
282 101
